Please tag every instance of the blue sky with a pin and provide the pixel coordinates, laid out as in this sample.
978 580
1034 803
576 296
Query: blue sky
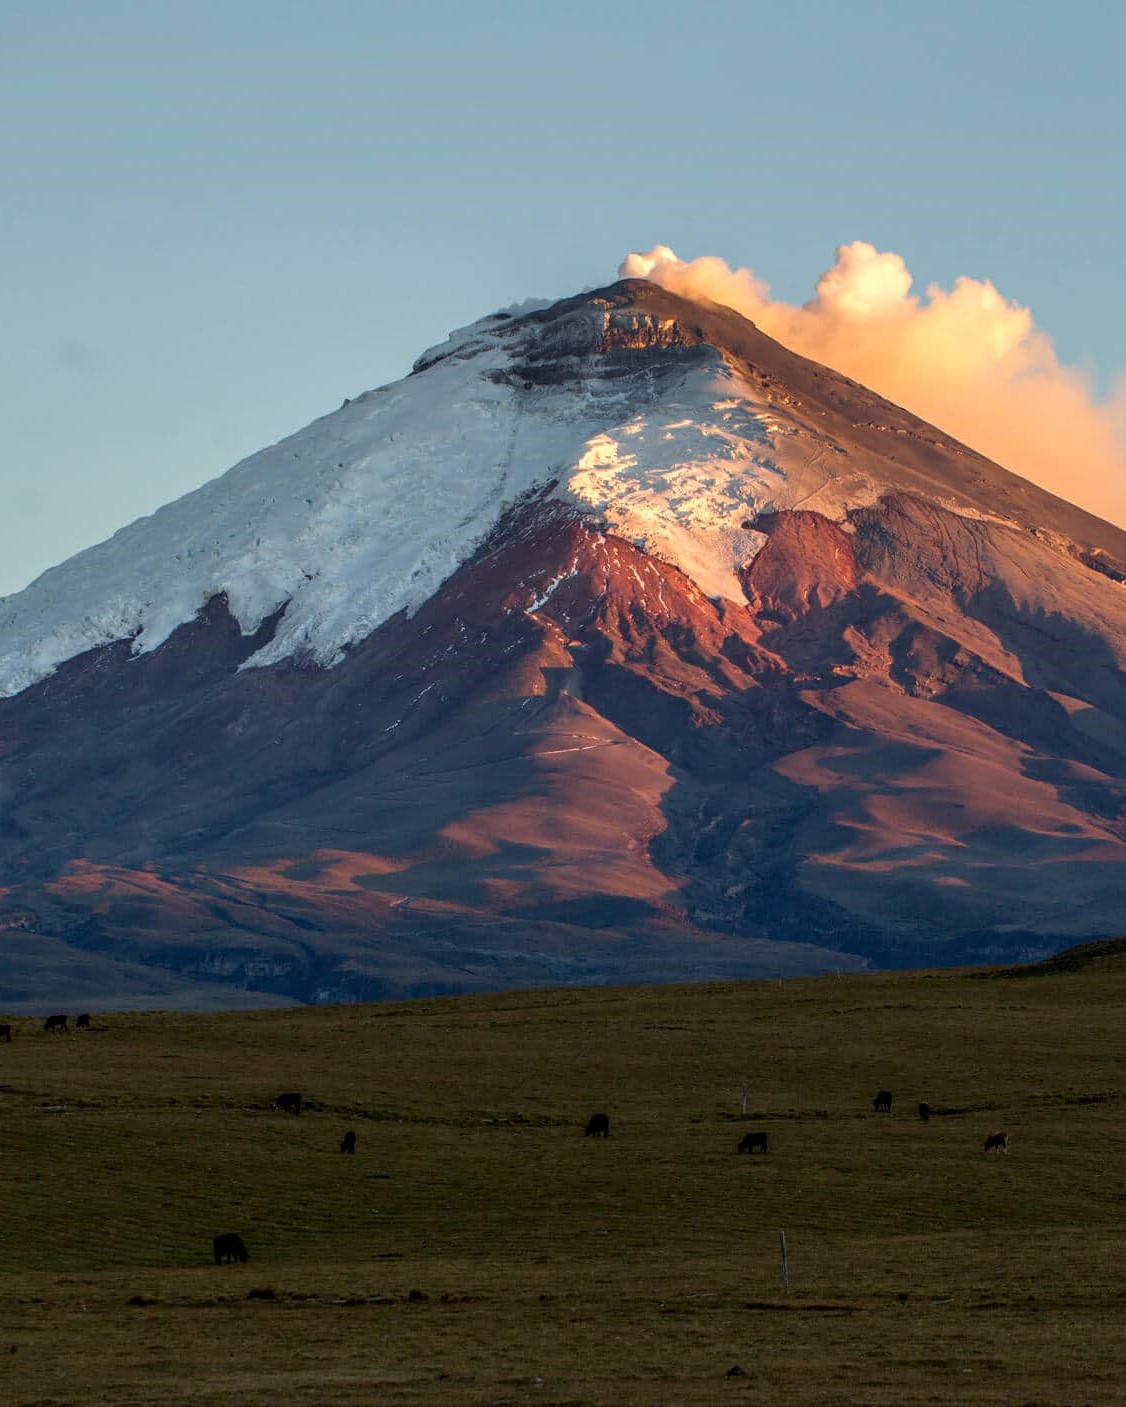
217 221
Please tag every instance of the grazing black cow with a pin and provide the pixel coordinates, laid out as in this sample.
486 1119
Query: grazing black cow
287 1104
348 1142
228 1247
55 1023
598 1126
997 1142
924 1111
882 1102
83 1022
5 1033
753 1143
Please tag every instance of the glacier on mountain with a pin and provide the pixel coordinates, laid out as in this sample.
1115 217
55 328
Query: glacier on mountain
365 512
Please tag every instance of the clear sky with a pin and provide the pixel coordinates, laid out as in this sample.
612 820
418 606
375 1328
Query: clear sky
218 220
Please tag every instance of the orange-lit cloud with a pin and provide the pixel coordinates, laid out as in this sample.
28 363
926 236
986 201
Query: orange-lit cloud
967 360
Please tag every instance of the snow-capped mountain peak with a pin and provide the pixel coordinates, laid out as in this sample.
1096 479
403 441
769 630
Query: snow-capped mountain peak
367 510
640 649
659 417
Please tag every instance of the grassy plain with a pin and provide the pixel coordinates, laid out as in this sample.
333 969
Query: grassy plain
478 1250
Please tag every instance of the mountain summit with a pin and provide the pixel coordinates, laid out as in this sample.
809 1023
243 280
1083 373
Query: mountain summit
616 642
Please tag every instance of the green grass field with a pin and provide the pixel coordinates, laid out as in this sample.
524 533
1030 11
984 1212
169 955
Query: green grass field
478 1249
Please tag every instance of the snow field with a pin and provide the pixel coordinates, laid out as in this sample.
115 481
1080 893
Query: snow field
367 511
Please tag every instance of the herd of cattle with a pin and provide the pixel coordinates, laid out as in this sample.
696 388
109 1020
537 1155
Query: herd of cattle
58 1022
230 1248
997 1142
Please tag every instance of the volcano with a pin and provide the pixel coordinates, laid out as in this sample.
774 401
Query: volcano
616 643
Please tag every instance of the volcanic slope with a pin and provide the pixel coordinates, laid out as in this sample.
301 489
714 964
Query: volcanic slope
617 642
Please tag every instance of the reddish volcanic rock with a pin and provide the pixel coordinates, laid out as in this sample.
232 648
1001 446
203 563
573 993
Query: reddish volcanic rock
808 563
